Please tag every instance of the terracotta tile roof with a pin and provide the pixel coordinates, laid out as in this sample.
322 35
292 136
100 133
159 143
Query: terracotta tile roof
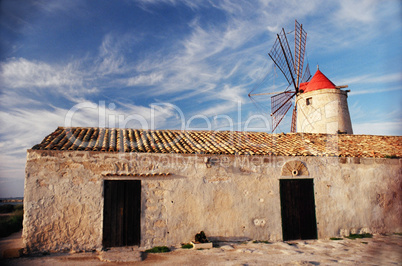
220 142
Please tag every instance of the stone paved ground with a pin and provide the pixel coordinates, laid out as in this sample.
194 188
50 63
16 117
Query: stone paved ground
379 250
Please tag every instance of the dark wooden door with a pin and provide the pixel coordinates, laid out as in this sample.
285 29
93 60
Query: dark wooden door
298 209
121 213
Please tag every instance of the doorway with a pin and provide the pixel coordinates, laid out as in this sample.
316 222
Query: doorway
121 213
298 209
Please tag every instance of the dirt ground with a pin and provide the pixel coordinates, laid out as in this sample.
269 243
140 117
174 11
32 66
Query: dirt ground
379 250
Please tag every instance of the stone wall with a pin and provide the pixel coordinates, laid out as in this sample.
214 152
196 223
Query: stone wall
229 197
327 112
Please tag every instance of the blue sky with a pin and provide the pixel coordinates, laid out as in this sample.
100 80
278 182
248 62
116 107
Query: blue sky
182 64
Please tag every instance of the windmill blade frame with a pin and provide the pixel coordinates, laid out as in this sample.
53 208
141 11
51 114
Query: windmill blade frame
307 74
300 49
292 69
282 56
280 105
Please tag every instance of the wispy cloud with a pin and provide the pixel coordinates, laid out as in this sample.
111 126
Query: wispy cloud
111 59
374 90
378 128
211 65
356 11
372 78
145 4
22 73
24 127
144 80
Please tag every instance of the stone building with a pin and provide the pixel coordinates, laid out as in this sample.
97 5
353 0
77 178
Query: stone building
322 107
93 188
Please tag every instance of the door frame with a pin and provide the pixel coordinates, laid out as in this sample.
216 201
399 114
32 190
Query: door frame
301 221
121 225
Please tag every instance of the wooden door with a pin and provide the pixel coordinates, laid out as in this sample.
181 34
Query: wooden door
121 213
298 209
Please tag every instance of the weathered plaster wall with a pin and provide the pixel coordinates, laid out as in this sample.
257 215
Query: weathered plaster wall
327 113
232 197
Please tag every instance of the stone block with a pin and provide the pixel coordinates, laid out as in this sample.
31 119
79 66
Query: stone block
201 245
344 232
160 223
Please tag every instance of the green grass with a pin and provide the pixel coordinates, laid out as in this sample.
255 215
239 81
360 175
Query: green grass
6 208
12 223
355 236
186 246
158 249
398 234
392 156
336 238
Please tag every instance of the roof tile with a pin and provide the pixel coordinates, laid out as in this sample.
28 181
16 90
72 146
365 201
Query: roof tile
221 142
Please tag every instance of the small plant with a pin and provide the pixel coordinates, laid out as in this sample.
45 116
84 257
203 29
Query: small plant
201 238
261 241
398 234
12 223
336 238
186 246
354 236
365 243
392 156
158 249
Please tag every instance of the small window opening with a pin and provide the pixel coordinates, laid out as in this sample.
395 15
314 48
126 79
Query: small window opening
309 101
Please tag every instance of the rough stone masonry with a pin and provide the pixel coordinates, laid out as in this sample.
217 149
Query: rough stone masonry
226 196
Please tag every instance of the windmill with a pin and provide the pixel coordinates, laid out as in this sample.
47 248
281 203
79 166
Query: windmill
292 69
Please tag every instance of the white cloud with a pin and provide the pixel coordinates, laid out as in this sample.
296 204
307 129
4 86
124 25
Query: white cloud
233 94
378 128
193 4
374 90
23 128
213 66
144 80
368 79
22 73
111 59
357 11
12 98
372 78
218 109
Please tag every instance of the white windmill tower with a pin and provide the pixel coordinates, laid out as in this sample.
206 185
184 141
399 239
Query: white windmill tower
321 105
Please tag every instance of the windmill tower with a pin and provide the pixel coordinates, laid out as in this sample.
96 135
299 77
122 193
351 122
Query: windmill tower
320 106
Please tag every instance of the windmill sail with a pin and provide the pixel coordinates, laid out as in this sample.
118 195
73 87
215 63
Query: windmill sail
292 69
307 74
280 104
282 57
300 48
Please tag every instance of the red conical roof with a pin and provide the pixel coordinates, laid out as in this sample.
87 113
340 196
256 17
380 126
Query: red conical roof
318 82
